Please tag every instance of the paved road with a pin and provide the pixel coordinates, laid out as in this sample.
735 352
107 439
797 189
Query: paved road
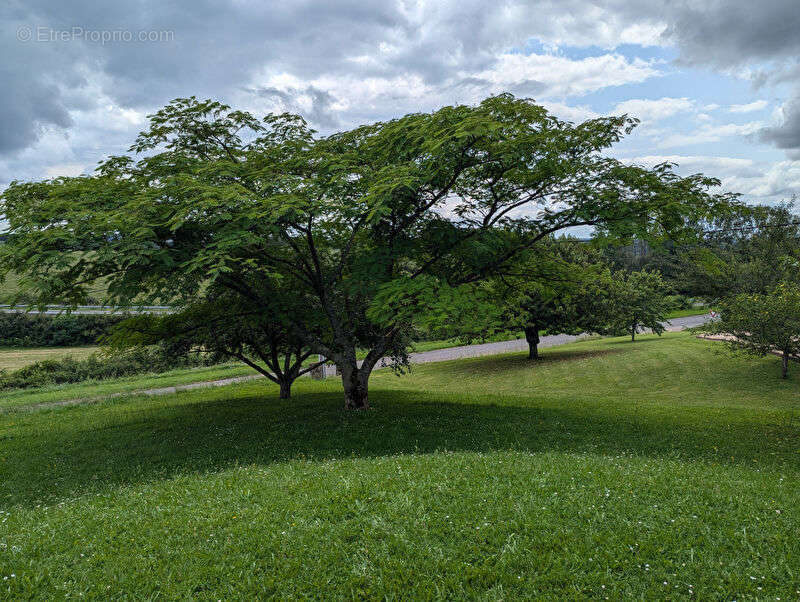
452 353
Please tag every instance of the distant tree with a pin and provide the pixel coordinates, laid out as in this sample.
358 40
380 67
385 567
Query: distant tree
759 324
635 300
750 250
558 289
360 224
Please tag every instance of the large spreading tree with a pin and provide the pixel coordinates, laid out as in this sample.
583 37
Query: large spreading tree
355 223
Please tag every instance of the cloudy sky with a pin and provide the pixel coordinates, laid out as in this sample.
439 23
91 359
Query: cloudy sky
715 83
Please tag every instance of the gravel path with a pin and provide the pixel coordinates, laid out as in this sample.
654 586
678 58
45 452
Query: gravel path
423 357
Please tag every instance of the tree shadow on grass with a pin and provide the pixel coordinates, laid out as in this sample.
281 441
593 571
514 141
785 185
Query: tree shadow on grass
157 441
499 364
624 343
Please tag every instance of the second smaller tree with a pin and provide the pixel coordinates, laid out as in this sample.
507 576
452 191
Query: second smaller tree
227 326
633 301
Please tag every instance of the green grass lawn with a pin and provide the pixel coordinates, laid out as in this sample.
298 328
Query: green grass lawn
8 288
116 386
685 313
649 470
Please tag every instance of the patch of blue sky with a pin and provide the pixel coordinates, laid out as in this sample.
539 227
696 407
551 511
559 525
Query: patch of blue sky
576 53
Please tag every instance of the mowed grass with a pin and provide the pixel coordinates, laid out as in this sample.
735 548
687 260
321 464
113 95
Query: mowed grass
658 469
685 313
9 286
98 390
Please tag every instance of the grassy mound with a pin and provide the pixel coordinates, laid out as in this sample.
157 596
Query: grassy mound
651 470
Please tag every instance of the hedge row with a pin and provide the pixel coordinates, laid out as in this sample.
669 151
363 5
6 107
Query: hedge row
100 366
39 330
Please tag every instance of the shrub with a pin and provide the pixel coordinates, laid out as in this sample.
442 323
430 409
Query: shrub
103 365
680 302
39 330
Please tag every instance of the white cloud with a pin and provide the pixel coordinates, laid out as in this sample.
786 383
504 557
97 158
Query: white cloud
758 105
99 129
356 99
575 114
706 133
562 76
780 180
577 23
653 110
65 169
352 62
693 161
758 181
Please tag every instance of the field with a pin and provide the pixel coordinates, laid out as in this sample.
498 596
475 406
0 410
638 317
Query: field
10 286
15 358
656 469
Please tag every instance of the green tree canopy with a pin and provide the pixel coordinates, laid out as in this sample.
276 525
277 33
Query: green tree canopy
558 287
635 300
348 221
759 324
749 250
229 324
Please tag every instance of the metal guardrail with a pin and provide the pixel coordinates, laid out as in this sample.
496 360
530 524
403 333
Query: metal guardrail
85 309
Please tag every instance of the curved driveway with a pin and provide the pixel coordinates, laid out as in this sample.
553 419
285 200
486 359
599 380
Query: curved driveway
453 353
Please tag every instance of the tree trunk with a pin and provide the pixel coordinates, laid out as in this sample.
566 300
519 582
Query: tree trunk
784 365
286 389
532 336
633 332
355 381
